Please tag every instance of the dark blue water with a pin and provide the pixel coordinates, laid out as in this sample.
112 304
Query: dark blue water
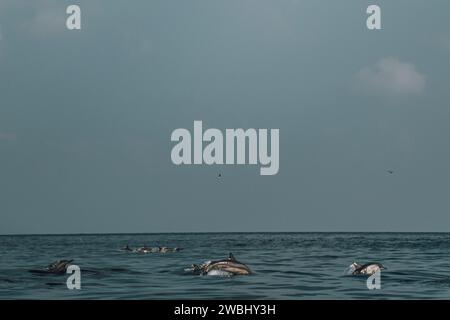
285 265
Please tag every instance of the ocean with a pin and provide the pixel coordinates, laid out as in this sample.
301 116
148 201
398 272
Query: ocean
284 265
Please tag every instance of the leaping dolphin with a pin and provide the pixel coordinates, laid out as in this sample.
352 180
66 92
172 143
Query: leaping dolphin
366 269
224 267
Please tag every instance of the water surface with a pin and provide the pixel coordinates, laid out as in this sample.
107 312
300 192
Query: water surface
285 265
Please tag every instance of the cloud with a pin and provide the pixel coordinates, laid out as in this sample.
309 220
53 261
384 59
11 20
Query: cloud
390 77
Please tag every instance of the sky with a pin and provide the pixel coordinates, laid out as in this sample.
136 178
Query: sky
86 115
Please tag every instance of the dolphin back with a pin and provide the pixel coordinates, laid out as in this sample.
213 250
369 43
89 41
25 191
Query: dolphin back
59 266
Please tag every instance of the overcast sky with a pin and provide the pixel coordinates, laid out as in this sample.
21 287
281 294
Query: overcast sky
86 116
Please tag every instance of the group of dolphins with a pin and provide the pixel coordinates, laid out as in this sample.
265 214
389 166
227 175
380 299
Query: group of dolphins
230 266
224 267
146 249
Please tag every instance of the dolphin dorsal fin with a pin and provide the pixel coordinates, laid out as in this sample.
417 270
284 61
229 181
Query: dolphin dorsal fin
231 257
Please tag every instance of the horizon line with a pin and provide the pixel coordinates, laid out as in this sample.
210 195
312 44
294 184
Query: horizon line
211 232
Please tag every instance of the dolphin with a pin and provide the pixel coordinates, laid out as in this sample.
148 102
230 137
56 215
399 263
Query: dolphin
59 266
127 248
366 269
224 267
167 249
146 249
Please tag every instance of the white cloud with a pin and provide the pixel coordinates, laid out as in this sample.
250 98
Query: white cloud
392 77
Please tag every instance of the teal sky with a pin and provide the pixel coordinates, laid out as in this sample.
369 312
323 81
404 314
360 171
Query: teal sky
86 116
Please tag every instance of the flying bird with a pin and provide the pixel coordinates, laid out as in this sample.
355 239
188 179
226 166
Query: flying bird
390 171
